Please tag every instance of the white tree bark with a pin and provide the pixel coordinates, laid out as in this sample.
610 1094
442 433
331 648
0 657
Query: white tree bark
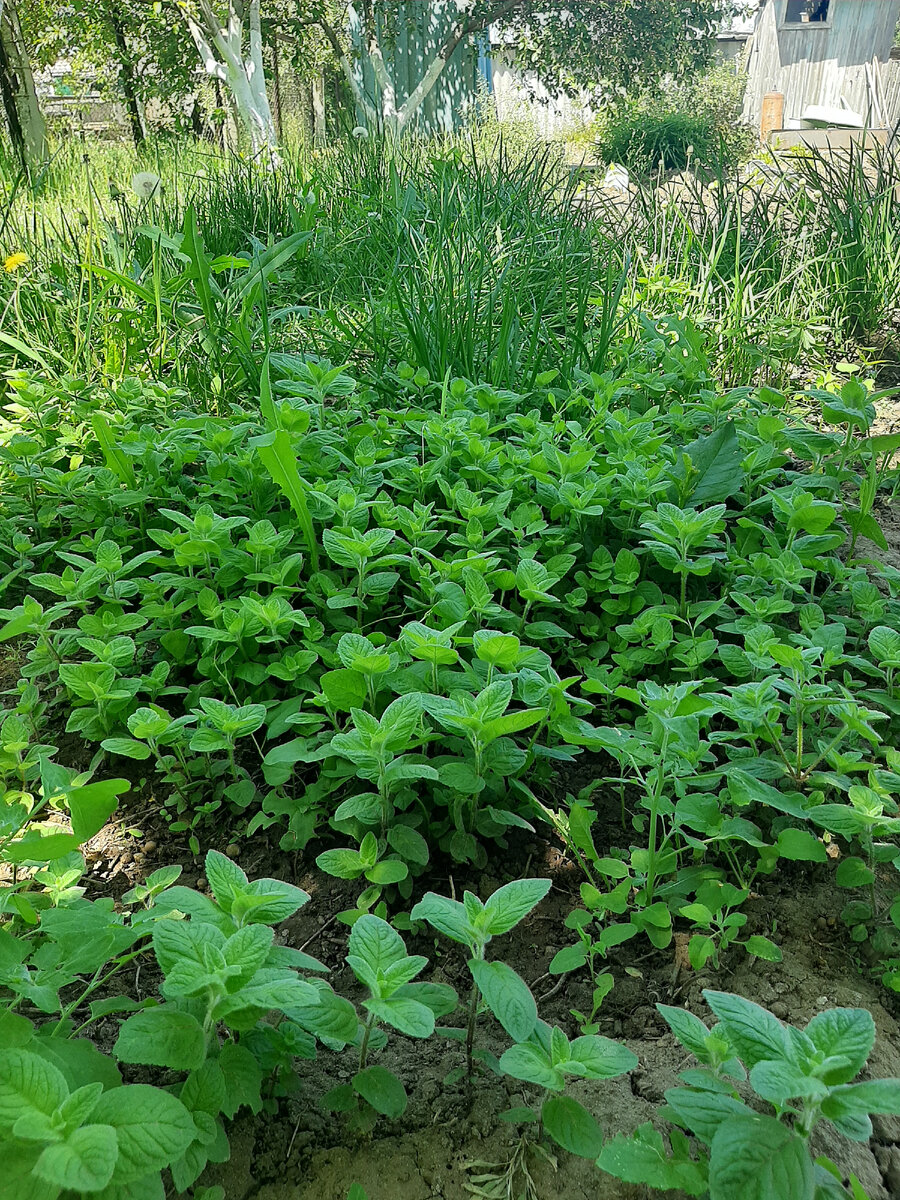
394 118
31 119
238 63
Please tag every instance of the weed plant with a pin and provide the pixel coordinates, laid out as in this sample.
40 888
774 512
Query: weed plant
358 531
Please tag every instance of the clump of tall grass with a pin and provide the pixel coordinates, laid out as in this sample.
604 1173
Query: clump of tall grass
460 255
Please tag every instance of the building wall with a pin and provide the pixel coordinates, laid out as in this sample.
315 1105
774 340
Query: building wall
522 96
820 64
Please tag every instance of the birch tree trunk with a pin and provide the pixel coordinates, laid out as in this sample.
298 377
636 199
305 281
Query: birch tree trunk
26 121
237 61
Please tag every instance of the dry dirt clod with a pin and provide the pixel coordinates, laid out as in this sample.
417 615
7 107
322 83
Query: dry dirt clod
202 884
232 849
150 847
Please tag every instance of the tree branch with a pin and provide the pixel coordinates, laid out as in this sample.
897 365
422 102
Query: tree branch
347 67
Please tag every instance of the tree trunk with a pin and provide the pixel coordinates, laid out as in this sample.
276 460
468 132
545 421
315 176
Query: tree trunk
8 96
27 128
318 108
276 87
221 48
127 76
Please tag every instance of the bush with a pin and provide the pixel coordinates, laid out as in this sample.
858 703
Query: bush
697 124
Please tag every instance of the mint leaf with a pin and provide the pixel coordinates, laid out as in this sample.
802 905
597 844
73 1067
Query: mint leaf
642 1159
28 1085
779 1082
153 1129
446 916
243 1079
572 1126
752 1030
531 1063
409 1016
382 1089
507 996
84 1162
688 1028
873 1096
758 1158
843 1031
162 1037
375 944
702 1112
507 906
593 1057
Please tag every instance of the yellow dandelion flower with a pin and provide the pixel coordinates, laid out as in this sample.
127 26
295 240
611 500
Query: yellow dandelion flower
14 261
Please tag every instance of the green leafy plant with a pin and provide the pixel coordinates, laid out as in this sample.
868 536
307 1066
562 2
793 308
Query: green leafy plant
802 1077
474 925
378 958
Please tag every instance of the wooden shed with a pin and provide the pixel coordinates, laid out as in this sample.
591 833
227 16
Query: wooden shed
827 54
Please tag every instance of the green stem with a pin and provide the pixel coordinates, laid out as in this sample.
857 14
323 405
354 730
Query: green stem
95 983
654 818
364 1048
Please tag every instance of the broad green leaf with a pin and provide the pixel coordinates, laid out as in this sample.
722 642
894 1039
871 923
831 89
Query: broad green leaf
873 1096
446 916
572 1126
598 1058
717 460
758 1158
243 1079
853 873
389 870
162 1037
507 906
439 997
409 844
84 1162
507 996
843 1031
268 901
226 879
342 863
799 845
570 958
127 747
779 1082
91 806
642 1158
152 1127
688 1028
407 1015
329 1017
702 1112
531 1063
28 1085
752 1031
745 788
382 1089
762 947
376 943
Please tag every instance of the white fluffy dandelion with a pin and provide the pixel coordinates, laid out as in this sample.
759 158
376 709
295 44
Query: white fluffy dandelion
145 184
359 132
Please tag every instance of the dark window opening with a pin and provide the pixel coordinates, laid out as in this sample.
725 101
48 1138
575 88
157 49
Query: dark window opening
807 12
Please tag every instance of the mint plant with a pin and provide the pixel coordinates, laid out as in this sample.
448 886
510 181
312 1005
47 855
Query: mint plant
474 925
547 1059
802 1077
377 956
